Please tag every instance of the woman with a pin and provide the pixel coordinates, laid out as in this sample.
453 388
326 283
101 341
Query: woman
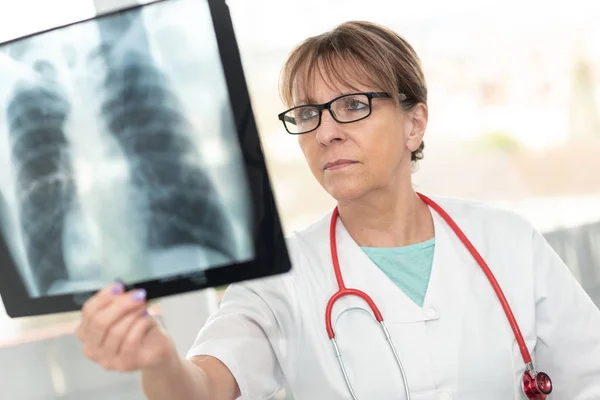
361 130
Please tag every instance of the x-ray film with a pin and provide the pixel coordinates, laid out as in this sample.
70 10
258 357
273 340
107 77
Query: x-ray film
121 153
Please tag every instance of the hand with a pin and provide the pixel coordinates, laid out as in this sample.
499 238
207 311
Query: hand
118 333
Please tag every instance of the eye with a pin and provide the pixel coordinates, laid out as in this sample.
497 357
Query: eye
305 114
355 104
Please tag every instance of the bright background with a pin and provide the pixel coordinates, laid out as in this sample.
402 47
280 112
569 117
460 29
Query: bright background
514 104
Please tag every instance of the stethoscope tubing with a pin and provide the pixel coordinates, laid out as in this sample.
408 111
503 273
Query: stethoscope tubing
344 291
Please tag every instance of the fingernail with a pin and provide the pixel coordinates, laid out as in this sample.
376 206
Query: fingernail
138 294
118 288
145 313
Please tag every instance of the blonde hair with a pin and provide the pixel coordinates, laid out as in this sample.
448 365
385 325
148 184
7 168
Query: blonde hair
358 52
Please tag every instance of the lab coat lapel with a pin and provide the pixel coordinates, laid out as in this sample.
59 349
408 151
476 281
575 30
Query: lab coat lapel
460 297
370 364
366 353
361 273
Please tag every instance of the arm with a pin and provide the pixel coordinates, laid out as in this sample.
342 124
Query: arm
118 334
201 378
568 326
247 348
239 350
255 334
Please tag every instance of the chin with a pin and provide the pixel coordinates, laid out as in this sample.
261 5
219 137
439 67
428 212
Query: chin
345 191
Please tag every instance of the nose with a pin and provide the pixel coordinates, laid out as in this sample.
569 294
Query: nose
329 131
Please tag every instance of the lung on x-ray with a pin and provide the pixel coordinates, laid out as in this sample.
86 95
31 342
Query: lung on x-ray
118 152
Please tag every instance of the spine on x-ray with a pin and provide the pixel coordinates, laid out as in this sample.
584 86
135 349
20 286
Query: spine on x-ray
36 114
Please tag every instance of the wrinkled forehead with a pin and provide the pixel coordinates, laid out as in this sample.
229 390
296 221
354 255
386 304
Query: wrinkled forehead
328 77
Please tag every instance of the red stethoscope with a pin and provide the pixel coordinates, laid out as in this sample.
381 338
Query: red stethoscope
535 385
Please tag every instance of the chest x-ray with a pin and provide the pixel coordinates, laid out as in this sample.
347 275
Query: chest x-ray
119 156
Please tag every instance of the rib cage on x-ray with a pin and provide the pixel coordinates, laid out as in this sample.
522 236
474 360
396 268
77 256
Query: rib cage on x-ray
171 191
36 116
145 117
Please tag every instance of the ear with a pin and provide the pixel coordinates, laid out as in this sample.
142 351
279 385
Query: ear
417 119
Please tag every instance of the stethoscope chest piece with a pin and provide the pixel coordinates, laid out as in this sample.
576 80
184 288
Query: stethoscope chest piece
536 385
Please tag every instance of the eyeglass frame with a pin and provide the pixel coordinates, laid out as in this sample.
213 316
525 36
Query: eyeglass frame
327 106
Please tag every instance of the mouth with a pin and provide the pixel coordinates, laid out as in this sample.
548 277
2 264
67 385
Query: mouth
338 164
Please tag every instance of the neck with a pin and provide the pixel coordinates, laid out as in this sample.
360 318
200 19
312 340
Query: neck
387 218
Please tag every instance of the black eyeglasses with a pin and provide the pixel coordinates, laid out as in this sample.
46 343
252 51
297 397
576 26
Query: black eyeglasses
344 109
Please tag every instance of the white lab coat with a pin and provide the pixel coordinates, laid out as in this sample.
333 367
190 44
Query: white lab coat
271 332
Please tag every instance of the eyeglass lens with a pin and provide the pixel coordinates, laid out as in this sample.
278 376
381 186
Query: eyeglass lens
348 108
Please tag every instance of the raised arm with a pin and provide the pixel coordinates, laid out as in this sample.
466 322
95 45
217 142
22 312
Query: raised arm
118 334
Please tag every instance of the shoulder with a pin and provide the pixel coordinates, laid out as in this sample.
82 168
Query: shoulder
303 247
480 216
305 242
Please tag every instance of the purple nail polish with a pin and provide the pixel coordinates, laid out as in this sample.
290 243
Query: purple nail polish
118 288
138 294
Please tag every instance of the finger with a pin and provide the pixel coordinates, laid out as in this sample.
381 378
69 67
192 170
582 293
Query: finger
132 345
134 342
119 331
102 321
97 302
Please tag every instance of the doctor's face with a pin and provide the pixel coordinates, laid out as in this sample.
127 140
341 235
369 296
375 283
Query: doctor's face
351 160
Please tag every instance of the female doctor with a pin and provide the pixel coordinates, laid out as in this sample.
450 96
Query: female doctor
474 303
